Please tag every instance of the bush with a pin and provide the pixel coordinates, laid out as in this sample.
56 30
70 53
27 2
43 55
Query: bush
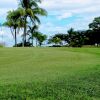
1 45
27 44
55 46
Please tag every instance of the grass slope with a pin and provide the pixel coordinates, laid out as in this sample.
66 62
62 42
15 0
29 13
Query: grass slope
49 74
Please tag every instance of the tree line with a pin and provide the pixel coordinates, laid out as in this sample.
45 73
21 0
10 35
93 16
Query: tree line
26 19
79 38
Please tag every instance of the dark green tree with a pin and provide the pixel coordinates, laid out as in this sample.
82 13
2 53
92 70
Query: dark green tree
75 38
55 40
40 38
95 30
63 37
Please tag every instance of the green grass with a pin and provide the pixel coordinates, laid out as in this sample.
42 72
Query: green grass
49 73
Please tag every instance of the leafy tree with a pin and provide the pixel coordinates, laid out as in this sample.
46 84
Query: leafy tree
95 30
95 25
89 38
40 38
54 40
63 37
75 38
71 35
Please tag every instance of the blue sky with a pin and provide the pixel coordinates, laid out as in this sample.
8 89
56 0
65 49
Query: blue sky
62 15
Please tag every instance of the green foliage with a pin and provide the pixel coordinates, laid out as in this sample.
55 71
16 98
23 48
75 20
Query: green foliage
54 40
49 74
26 44
95 30
40 38
95 25
15 22
1 45
75 38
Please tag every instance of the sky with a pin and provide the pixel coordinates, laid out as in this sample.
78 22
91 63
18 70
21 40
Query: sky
62 15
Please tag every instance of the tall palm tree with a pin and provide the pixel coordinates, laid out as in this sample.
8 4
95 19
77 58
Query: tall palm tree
14 22
32 11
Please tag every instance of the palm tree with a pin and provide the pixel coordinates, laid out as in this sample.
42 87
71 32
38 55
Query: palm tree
35 35
32 11
32 31
71 36
14 22
76 38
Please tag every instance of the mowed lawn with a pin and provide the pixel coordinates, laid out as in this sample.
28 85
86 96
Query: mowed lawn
49 73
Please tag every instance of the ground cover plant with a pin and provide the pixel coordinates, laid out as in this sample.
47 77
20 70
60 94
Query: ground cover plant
49 73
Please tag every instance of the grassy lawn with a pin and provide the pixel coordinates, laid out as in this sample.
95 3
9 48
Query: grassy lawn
49 73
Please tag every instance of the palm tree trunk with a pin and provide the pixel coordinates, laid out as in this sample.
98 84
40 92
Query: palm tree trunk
32 41
24 35
25 28
23 40
36 42
15 38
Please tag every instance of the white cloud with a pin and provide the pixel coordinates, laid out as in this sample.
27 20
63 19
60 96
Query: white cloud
85 10
52 29
68 4
64 16
67 8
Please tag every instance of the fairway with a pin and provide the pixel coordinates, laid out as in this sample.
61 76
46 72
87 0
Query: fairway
49 73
